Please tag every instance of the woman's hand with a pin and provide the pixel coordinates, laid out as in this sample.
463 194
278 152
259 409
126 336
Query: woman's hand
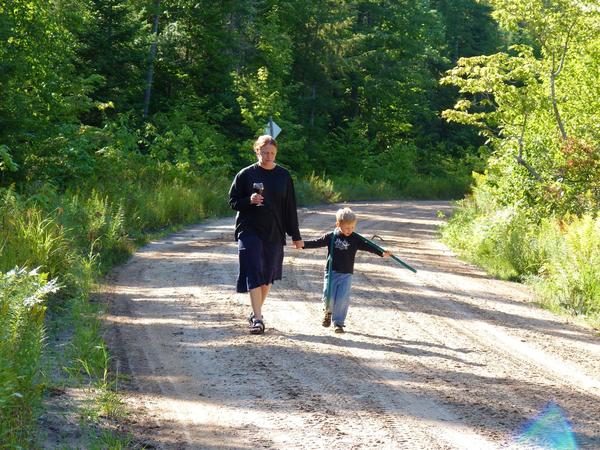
299 244
256 199
387 253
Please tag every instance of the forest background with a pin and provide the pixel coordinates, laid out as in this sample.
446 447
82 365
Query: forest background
120 119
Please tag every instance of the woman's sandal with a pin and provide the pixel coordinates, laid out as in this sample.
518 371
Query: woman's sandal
257 327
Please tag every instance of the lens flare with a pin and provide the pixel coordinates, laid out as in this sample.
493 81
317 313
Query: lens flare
549 431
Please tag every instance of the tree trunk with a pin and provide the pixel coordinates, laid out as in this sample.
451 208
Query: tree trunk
559 121
312 108
151 61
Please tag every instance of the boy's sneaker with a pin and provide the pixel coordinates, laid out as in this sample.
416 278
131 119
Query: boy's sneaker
338 329
326 319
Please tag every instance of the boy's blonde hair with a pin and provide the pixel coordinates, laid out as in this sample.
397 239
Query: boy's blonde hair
345 215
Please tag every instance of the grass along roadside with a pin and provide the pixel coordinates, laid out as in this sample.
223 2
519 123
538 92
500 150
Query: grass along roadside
558 257
55 366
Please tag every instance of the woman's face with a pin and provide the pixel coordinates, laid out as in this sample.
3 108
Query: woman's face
266 156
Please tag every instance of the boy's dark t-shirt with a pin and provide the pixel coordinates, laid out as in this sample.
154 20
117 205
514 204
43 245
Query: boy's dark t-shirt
344 249
277 217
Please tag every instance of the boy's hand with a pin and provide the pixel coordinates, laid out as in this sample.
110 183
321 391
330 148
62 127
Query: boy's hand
299 244
387 253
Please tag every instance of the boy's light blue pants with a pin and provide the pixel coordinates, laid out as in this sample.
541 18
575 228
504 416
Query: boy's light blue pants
340 296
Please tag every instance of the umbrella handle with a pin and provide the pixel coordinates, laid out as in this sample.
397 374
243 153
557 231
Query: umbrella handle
394 257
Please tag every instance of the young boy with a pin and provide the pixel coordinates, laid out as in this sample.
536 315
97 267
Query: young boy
345 245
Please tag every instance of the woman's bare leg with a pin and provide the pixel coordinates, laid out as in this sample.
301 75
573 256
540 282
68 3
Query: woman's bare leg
265 291
257 299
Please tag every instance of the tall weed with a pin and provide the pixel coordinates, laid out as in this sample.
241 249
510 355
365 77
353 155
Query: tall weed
31 237
165 205
503 242
21 339
435 187
571 273
315 189
559 258
361 189
97 226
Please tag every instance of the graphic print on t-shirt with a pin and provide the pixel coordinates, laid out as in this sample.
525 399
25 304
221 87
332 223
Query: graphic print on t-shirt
342 244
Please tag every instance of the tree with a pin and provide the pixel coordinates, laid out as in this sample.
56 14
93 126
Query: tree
519 102
110 45
39 86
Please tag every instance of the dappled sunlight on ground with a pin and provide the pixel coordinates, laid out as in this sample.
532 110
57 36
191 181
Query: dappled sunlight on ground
444 358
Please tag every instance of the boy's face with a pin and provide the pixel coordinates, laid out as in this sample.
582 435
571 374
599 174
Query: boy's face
347 228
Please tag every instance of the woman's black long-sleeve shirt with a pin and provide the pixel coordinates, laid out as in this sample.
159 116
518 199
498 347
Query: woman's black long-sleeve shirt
278 216
344 249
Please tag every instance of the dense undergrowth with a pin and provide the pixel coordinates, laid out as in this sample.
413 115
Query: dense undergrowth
72 238
558 256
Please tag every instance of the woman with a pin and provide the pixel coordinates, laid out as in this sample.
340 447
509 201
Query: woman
264 198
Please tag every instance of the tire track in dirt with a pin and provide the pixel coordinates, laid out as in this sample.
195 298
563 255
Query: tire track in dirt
433 360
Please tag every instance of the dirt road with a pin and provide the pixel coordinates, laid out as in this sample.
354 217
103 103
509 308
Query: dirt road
443 359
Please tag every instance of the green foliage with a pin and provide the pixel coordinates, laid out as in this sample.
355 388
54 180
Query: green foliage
31 237
533 212
570 276
38 84
353 81
22 313
315 189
